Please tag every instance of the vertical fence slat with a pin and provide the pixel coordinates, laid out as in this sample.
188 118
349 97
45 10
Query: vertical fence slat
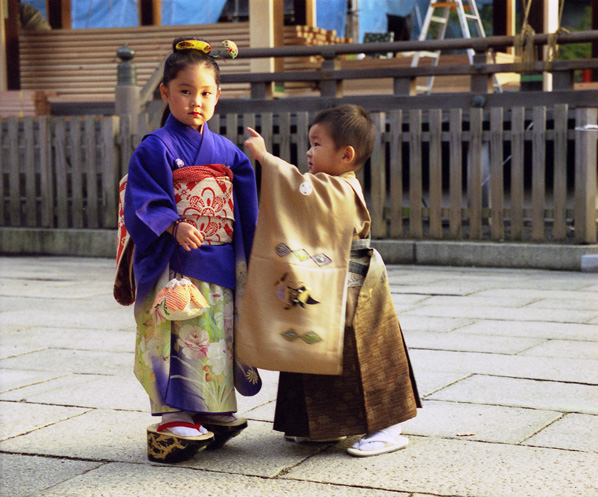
435 173
214 124
232 128
267 129
284 133
14 179
378 178
109 170
248 122
497 229
476 122
302 140
456 172
517 162
76 172
396 174
561 112
45 171
91 172
62 200
125 139
29 163
415 174
585 175
538 173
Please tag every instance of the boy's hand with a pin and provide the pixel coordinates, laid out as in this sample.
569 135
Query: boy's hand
255 144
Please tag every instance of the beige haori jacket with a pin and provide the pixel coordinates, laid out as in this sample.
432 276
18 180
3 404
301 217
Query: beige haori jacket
293 311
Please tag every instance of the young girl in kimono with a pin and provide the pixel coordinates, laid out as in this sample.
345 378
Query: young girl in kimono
190 208
323 313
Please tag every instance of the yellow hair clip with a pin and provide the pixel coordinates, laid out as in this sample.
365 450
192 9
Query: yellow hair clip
202 46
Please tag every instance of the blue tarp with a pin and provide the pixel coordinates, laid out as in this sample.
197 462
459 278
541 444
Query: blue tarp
123 13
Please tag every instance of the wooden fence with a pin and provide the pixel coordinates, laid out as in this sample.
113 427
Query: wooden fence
502 174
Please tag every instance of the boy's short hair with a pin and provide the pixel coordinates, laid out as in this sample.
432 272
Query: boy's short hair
350 125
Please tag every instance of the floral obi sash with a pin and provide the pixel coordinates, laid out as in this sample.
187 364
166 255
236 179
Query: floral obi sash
204 198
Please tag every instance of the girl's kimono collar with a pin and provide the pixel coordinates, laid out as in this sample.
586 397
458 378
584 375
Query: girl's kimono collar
185 131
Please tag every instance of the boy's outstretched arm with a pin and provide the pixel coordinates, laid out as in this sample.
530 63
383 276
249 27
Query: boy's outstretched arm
255 144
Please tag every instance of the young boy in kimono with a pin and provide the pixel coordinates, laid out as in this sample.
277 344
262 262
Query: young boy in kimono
317 304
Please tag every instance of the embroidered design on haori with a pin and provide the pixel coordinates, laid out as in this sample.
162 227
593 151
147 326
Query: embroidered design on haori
309 338
306 188
293 293
283 250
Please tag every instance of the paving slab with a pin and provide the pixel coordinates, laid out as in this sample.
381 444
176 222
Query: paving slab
92 391
82 317
475 301
436 324
471 343
431 381
520 314
565 348
549 395
38 338
540 294
29 476
72 361
129 480
589 304
484 423
11 379
460 468
566 331
571 431
538 368
97 435
19 418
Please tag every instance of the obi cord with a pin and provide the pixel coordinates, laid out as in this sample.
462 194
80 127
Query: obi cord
230 47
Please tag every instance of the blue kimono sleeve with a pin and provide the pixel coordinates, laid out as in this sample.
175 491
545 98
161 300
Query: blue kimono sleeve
149 210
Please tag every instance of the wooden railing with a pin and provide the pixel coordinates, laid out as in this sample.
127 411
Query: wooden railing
477 165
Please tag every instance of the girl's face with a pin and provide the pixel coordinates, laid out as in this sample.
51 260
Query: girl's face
192 95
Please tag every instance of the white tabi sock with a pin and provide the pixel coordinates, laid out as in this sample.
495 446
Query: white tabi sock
182 431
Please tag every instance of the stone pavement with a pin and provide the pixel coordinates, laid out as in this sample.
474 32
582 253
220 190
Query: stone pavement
506 362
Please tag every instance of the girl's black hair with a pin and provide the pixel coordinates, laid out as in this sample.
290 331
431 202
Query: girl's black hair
180 59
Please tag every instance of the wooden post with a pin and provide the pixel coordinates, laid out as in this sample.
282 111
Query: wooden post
305 12
3 53
10 17
265 18
594 6
150 13
59 14
503 19
585 175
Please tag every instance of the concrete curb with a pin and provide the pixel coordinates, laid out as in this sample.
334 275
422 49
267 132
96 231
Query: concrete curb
102 243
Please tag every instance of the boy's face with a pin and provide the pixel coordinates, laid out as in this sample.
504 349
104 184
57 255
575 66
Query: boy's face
323 156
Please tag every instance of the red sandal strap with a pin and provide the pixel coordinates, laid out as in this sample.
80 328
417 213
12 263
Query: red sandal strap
174 424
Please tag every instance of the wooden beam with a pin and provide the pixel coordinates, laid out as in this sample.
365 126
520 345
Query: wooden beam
150 13
58 13
11 44
594 14
305 12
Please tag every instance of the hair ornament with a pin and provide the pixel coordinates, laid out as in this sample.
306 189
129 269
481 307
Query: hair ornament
231 48
202 46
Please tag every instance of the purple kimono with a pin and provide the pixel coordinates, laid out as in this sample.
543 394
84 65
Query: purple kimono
188 365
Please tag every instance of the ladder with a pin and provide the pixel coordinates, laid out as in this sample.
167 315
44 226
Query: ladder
472 17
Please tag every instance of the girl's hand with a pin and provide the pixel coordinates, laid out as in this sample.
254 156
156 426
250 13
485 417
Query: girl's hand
187 235
255 144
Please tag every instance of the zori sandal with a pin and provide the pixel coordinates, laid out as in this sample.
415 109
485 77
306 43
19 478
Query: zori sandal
378 443
224 427
166 447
